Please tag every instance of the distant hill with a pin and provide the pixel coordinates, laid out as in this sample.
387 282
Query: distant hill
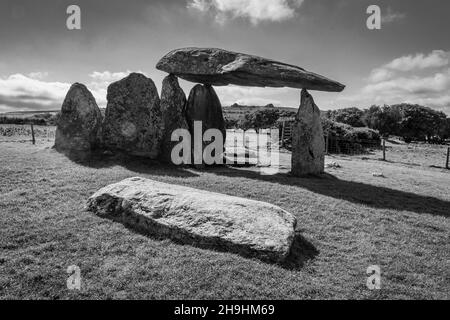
26 114
233 112
238 112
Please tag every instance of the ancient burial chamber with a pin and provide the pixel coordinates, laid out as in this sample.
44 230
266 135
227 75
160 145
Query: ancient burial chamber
201 218
218 67
79 123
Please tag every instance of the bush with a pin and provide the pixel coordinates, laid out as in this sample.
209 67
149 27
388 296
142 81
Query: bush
343 138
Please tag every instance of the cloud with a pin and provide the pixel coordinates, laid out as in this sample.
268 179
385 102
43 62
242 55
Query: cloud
392 16
380 74
31 92
421 78
254 10
20 92
38 75
435 59
107 76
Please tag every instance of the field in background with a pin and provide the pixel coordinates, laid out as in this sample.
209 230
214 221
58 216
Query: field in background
412 154
347 220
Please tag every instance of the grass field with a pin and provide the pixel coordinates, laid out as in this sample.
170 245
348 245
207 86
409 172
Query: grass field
347 220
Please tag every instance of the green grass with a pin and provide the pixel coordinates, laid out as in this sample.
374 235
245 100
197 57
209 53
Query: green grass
347 220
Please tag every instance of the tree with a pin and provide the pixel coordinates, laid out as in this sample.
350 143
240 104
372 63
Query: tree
350 116
260 119
385 119
419 123
444 129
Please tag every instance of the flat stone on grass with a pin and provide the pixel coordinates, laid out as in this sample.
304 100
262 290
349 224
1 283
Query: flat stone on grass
202 218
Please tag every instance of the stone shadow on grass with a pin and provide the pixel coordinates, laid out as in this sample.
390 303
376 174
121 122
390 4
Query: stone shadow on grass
301 250
139 165
356 192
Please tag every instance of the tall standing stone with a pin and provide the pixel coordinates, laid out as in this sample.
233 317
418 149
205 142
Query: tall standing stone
308 146
133 122
173 101
79 122
204 105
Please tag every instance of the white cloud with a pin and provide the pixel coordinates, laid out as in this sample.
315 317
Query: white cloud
31 92
392 16
254 10
436 59
38 75
107 76
380 74
20 92
422 79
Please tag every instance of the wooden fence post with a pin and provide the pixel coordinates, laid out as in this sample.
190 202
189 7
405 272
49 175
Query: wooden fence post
448 158
32 134
384 149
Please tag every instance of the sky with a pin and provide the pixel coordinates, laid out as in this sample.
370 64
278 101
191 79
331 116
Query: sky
407 60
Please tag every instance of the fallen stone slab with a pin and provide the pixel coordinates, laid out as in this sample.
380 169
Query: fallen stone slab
202 218
220 67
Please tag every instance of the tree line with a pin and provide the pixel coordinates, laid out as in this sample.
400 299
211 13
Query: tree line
411 122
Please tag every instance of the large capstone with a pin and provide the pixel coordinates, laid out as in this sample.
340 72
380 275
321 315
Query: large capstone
78 123
204 106
220 67
173 101
308 144
133 122
197 217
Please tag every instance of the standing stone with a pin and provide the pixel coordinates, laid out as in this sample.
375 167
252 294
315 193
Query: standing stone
78 123
308 146
133 122
204 105
173 101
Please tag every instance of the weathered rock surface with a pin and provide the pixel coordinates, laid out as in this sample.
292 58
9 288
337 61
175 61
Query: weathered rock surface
173 101
204 105
308 145
133 121
79 122
220 67
202 218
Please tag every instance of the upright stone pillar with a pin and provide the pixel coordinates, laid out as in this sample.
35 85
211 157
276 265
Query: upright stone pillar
78 123
204 105
173 101
308 145
133 119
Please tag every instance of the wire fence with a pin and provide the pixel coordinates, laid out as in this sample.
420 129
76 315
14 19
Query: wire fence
251 147
249 144
26 132
336 145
